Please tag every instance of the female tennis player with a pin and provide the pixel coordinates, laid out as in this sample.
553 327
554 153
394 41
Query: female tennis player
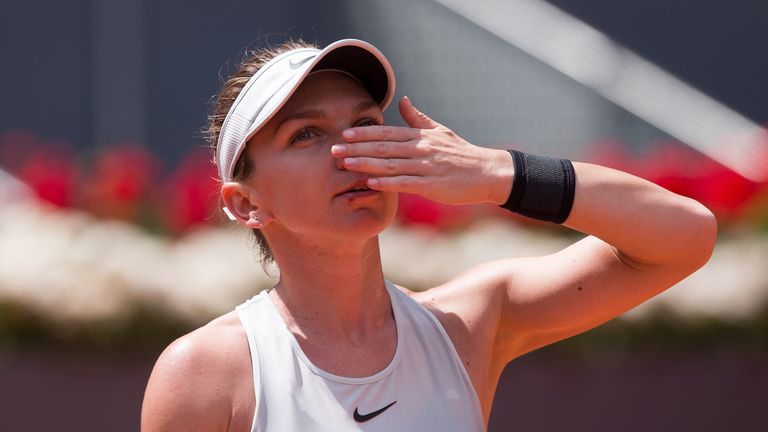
306 162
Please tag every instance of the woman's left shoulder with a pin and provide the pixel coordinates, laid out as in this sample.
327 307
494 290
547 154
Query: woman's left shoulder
472 293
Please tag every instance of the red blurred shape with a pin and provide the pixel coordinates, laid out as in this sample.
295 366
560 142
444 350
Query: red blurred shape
190 195
687 172
119 181
415 209
48 168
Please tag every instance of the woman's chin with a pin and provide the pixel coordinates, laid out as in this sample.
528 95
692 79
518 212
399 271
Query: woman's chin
360 224
364 226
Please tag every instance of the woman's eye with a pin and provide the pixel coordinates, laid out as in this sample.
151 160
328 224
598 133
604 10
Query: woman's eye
367 122
304 135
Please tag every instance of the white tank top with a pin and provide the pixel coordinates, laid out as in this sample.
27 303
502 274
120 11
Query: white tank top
424 388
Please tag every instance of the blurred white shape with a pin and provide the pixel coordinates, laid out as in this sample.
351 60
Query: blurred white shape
639 86
75 269
420 258
732 286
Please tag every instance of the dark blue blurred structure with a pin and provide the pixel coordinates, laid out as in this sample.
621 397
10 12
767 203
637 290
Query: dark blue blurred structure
99 72
716 46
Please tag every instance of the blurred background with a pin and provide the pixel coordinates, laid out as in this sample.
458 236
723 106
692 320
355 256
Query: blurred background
111 244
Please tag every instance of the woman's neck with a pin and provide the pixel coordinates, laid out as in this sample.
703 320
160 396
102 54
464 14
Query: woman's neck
339 289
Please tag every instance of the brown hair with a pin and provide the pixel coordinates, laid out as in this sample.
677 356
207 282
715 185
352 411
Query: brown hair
244 166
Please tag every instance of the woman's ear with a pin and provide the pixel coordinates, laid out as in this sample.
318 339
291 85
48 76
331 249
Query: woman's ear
242 203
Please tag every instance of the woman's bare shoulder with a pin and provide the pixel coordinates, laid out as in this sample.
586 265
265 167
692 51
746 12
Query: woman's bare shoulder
212 348
199 378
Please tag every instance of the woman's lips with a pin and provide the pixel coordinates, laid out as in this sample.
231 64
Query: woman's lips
358 194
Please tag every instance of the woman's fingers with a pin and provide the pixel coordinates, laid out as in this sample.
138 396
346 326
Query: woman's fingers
415 118
380 133
427 159
388 166
402 183
379 149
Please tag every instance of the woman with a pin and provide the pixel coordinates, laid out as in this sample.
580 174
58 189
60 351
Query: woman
306 163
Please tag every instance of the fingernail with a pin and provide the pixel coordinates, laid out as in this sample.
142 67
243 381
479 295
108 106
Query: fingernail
350 161
338 148
349 133
372 182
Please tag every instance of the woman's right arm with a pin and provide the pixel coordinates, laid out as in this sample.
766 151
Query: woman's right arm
192 385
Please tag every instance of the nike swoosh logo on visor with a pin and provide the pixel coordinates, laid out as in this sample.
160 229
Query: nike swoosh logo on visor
361 418
297 64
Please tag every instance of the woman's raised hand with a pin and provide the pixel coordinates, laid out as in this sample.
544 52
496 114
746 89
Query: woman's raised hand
427 159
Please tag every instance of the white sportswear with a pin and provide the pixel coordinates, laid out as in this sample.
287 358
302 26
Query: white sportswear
424 388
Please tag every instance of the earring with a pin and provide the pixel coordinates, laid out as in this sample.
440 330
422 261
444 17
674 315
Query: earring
256 220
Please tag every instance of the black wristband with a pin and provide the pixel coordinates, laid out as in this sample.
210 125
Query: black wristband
543 189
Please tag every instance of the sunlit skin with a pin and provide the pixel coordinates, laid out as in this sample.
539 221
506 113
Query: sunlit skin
640 240
323 237
296 182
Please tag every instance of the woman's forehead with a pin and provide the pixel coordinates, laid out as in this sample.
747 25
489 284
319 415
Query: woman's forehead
321 95
327 88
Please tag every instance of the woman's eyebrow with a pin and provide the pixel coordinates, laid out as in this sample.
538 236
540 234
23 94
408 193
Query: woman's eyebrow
318 114
365 105
300 115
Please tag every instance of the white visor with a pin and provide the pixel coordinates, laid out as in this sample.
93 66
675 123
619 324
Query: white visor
271 87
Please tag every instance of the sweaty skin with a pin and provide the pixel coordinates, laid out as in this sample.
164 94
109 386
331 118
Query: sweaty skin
641 239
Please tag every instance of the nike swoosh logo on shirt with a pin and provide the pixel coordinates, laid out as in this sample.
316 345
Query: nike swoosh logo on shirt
360 418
